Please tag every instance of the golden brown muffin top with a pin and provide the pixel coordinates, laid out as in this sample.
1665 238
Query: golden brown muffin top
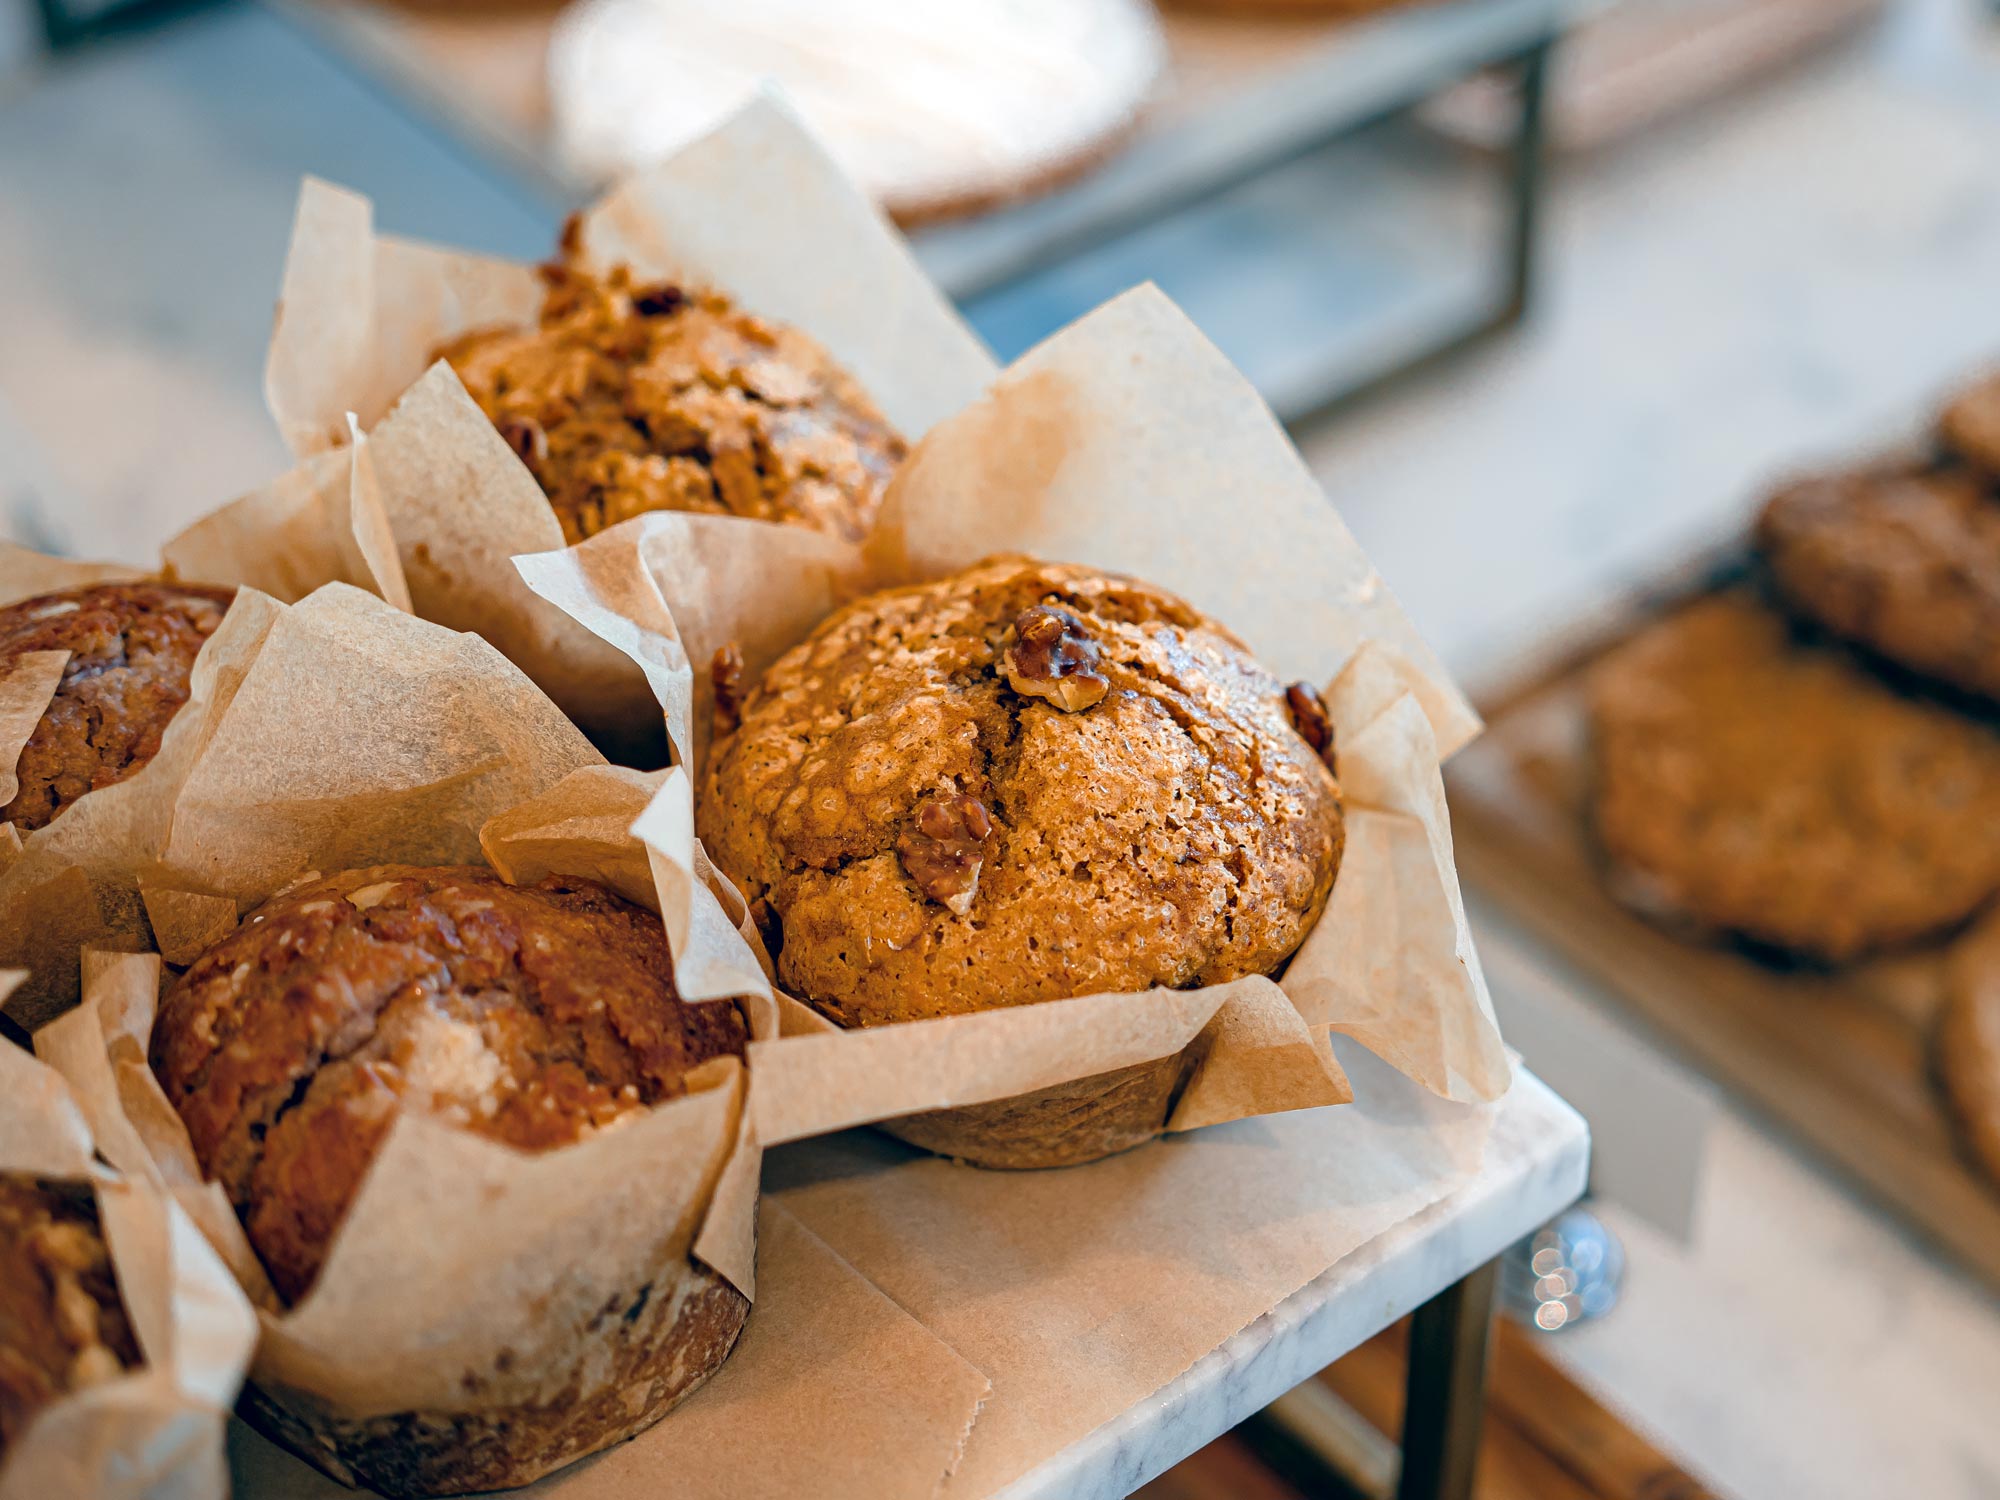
62 1321
1780 791
1023 782
132 646
532 1015
632 397
1905 562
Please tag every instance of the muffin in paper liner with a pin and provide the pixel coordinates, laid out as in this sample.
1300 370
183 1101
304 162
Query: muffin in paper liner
483 1315
155 1430
361 315
1128 443
74 882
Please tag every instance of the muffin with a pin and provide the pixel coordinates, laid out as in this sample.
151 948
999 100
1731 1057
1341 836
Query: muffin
631 397
1023 783
532 1015
1904 562
1778 791
131 646
62 1322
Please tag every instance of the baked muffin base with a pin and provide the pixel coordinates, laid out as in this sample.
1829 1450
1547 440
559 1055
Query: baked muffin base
1065 1125
676 1330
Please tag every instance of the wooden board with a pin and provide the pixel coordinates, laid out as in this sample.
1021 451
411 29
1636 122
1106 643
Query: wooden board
1839 1059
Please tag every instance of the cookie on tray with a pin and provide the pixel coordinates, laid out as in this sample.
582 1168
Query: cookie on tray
1750 784
1966 1049
1904 562
535 1016
1970 425
632 396
63 1325
1021 783
131 649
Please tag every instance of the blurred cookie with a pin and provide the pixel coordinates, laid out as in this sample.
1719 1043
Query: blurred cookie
1970 425
1966 1051
630 397
1903 562
1752 785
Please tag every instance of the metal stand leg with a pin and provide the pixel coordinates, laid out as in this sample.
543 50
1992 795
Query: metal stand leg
1528 153
1446 1399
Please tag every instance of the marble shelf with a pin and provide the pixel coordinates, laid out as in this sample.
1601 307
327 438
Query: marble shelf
1537 1159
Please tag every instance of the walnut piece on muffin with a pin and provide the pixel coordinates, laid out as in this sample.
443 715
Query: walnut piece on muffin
1905 562
132 647
533 1015
1021 783
62 1321
631 397
1778 791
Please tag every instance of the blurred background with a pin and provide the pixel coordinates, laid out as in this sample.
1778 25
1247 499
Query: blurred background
1550 293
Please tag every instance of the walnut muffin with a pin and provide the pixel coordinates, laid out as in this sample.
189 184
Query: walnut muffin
632 397
534 1015
1021 783
131 646
1970 424
1748 783
1903 562
62 1321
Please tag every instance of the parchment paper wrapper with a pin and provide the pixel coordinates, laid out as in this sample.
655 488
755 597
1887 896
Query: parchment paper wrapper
756 209
483 1315
1126 441
75 882
155 1432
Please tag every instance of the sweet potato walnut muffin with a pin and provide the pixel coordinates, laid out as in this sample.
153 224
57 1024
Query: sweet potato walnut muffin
131 648
637 397
1022 783
62 1321
1904 562
530 1014
1748 783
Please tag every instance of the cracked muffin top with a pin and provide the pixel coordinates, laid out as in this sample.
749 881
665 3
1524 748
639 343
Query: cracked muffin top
1024 782
532 1015
131 647
632 397
1750 783
62 1321
1905 562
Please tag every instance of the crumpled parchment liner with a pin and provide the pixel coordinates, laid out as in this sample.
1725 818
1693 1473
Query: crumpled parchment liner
154 1433
354 734
75 882
360 315
1126 441
833 1392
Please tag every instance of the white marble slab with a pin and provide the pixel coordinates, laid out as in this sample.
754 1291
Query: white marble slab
1536 1162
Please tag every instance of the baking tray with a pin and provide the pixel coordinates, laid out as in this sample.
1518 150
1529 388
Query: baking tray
1837 1058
